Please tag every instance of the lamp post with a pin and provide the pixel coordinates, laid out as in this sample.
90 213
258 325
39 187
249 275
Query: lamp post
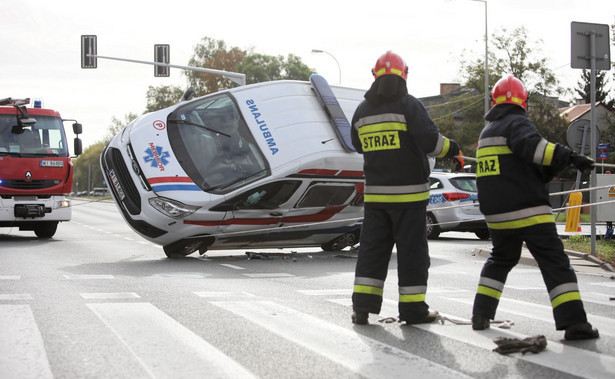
486 59
316 51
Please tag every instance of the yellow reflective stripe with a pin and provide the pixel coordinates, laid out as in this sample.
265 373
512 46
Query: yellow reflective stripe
368 290
396 72
493 150
489 292
522 223
445 147
406 198
381 71
382 127
548 154
412 298
564 298
500 99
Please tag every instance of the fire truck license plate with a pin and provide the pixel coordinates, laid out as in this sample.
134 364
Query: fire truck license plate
116 185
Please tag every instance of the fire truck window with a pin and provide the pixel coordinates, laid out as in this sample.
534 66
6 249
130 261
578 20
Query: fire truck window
326 195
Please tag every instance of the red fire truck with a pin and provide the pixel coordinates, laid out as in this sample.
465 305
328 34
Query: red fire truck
36 173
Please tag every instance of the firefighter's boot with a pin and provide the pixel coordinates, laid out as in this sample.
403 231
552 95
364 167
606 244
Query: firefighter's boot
359 318
480 322
582 331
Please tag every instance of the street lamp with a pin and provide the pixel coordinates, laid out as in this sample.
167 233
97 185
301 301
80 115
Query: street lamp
486 60
316 51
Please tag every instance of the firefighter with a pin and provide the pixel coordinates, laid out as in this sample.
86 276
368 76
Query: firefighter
393 131
514 163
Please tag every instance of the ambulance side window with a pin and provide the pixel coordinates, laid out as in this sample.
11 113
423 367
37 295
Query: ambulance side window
326 195
268 196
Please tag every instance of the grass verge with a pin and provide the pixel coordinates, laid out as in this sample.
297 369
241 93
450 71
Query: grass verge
605 249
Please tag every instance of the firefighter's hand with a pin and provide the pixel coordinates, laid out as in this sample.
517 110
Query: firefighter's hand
457 162
453 149
581 162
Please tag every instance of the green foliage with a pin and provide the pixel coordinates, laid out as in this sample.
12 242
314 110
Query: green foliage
605 249
215 54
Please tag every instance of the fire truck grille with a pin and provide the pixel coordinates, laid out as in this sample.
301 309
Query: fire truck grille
31 185
114 161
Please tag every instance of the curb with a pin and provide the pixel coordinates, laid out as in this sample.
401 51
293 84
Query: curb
528 259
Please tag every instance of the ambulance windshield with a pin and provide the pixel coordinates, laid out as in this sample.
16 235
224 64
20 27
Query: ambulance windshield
45 137
214 145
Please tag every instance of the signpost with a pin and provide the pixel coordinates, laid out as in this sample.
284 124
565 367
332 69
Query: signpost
590 50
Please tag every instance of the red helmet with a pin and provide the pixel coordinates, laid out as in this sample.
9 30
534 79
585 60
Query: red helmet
509 90
390 63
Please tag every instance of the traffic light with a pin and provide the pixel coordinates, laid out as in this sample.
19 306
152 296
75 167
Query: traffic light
88 51
161 55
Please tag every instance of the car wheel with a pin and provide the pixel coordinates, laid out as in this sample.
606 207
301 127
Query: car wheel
483 234
433 230
45 229
341 242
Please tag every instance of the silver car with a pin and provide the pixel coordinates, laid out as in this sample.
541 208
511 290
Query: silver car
453 205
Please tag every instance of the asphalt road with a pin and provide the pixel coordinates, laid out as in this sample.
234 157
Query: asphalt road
97 301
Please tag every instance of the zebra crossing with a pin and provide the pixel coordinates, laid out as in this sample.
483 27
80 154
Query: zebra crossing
165 348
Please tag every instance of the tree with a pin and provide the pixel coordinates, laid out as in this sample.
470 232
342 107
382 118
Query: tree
261 68
162 97
584 87
87 173
511 53
215 54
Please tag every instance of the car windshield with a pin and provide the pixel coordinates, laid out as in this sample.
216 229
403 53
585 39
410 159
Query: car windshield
465 183
214 145
45 137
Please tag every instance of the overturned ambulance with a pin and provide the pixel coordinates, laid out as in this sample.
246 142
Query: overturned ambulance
266 165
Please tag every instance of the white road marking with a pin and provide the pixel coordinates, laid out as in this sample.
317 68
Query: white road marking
22 352
265 275
15 296
88 277
232 266
356 352
164 347
110 295
223 294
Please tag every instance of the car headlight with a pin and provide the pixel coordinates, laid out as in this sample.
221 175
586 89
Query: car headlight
172 208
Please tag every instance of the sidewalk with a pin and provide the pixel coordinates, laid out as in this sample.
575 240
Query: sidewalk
580 262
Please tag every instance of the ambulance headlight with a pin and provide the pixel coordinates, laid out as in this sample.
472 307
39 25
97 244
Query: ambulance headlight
172 208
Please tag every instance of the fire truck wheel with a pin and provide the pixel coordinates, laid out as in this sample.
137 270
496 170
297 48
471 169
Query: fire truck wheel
45 229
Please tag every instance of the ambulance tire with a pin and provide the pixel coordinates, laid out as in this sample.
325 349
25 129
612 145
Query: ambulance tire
180 250
45 229
433 230
339 243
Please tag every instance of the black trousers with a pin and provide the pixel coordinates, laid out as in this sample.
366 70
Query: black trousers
383 228
545 245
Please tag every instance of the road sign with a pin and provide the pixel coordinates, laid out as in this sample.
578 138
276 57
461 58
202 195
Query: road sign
580 57
88 47
574 136
162 55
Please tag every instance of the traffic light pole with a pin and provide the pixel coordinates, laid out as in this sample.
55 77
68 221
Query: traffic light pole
233 76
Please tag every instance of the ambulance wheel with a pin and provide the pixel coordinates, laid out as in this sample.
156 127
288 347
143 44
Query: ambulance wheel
483 234
341 242
433 230
181 249
45 229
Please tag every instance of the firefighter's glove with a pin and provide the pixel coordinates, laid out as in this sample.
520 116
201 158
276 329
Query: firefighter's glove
581 162
453 149
512 345
457 162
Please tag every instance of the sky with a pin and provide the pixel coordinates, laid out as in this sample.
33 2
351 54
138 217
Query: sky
40 43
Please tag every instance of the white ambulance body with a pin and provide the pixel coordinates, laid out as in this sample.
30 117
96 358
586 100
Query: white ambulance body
267 165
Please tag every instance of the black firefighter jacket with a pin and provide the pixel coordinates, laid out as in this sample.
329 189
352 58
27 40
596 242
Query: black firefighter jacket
395 137
514 163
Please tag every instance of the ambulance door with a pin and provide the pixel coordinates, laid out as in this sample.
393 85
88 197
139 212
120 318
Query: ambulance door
320 205
252 216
